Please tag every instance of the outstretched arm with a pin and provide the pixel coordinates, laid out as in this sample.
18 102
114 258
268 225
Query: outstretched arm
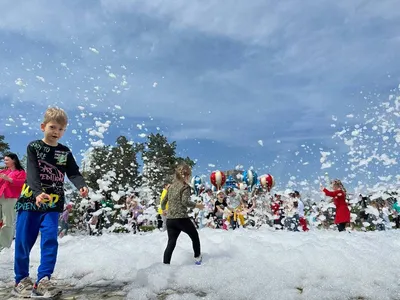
75 175
73 172
330 193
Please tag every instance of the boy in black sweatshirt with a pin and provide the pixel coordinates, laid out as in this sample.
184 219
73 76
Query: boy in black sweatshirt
40 203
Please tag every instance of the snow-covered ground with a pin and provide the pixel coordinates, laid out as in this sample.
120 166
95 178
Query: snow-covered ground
241 264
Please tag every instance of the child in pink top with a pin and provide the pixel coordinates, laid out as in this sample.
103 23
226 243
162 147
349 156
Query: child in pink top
12 179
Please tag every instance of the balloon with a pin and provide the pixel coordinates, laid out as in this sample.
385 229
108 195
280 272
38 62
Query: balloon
267 181
196 184
250 178
218 179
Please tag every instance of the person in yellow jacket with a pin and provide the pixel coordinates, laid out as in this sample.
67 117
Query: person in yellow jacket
164 192
160 211
237 202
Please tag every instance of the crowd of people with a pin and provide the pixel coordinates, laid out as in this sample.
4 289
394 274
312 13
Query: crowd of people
230 208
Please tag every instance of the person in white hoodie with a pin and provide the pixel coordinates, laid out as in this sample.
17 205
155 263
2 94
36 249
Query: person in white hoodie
300 211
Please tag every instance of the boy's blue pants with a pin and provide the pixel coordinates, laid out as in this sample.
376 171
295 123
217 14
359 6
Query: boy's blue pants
29 223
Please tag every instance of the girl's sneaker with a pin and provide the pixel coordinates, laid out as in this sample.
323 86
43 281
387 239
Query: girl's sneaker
45 289
198 260
23 289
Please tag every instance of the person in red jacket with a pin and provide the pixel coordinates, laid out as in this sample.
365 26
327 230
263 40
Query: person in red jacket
339 199
12 179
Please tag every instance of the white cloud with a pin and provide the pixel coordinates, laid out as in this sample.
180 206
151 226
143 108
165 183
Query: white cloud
259 20
284 65
196 132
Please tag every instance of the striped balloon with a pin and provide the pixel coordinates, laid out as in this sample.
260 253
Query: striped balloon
218 179
267 181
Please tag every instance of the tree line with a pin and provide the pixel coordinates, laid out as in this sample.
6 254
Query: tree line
128 166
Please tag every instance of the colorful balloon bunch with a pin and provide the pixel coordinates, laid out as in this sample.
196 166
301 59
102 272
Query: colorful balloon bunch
249 181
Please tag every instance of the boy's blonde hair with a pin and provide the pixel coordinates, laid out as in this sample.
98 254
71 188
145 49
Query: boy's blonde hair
55 114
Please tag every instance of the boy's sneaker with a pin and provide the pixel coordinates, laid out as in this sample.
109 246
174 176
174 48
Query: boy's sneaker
45 289
23 289
198 260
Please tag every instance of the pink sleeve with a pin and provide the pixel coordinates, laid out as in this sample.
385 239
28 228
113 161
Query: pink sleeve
18 178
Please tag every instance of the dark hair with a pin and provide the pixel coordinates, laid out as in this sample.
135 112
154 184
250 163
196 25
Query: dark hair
15 158
228 190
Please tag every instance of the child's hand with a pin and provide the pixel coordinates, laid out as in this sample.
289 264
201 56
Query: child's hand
41 198
200 206
84 192
321 187
5 177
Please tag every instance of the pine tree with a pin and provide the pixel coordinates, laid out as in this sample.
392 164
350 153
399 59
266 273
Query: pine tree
95 165
4 147
158 164
146 192
125 163
118 163
186 160
24 161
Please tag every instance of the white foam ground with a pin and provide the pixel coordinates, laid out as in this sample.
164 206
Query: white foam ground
241 264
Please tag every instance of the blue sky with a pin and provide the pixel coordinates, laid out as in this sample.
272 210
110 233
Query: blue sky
216 76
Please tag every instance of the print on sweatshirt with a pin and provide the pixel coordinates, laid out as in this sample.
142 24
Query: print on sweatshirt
46 169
